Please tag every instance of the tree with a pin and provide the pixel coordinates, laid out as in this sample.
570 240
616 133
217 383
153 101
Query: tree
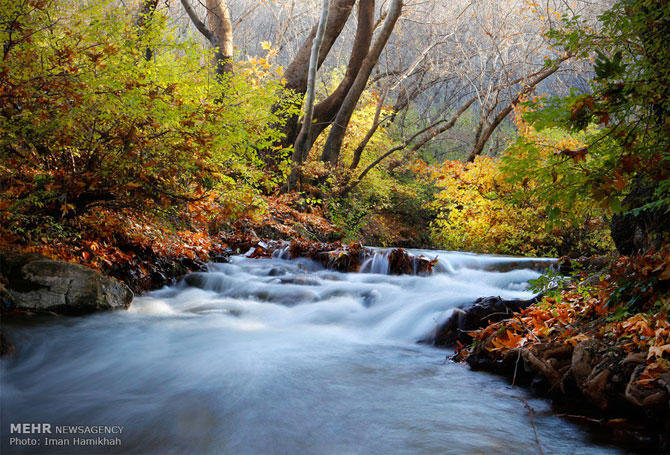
219 33
333 145
625 164
325 111
301 146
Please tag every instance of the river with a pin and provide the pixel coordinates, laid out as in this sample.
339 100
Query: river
271 356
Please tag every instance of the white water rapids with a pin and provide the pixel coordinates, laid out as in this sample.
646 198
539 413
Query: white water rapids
271 356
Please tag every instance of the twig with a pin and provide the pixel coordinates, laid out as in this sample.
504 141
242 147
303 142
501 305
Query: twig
531 412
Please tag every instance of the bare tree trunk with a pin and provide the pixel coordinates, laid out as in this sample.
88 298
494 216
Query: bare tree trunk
296 73
218 17
301 147
326 110
331 150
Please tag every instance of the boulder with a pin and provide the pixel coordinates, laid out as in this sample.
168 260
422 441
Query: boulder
475 316
38 284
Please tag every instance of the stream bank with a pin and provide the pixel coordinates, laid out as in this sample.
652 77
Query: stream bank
603 362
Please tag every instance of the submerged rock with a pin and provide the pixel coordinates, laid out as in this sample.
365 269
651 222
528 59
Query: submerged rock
35 283
6 348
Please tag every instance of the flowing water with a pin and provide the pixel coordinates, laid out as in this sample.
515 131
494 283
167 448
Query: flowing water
271 356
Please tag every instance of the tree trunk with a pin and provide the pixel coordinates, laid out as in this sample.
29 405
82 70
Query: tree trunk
331 150
219 22
220 36
326 110
296 73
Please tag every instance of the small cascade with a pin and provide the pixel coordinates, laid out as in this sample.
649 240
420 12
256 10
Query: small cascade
284 252
394 261
377 263
221 358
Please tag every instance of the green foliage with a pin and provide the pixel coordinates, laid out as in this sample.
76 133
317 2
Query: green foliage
624 123
347 215
385 206
89 124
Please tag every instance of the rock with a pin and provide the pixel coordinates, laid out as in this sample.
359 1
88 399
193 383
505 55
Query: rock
645 397
39 284
476 316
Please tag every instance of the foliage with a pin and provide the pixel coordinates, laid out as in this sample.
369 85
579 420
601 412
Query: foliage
497 206
97 137
624 122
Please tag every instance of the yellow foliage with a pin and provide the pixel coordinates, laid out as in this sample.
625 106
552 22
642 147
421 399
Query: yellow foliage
481 209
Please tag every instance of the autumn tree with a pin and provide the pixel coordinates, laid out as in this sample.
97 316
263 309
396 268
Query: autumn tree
625 162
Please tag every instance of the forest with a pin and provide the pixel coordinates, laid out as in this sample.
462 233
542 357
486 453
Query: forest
145 139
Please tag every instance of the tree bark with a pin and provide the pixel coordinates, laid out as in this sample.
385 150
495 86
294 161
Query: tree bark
326 110
218 16
301 147
296 73
331 150
220 36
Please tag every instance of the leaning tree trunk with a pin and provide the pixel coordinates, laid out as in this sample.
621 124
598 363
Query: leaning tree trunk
331 150
326 111
301 146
